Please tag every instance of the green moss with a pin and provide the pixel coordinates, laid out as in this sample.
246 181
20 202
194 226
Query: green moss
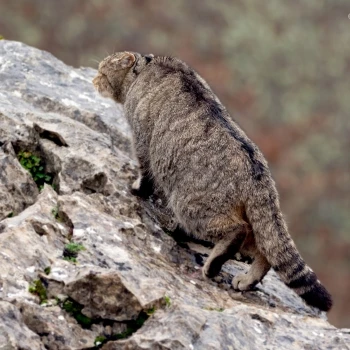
47 270
71 250
99 340
133 326
70 259
125 334
1 37
219 309
36 168
167 300
74 309
10 215
38 289
151 311
54 212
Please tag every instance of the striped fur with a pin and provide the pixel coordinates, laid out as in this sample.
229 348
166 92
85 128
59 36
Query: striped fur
214 178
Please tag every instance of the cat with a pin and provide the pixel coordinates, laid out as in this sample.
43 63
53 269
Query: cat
214 178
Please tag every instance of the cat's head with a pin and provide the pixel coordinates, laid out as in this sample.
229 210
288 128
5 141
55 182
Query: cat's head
116 73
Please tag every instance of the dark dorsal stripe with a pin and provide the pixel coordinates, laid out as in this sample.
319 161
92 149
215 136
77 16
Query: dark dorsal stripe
191 85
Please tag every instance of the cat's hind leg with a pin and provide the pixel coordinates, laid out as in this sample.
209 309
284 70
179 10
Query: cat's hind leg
255 274
224 249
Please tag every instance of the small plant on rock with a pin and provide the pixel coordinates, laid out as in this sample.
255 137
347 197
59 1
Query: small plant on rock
100 340
167 301
55 214
151 311
71 250
74 309
133 326
218 309
70 259
35 167
38 289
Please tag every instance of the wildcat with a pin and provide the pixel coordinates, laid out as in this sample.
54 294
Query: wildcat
214 178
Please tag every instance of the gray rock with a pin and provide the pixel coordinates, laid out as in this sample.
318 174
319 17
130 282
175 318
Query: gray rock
14 333
14 196
129 266
57 331
105 295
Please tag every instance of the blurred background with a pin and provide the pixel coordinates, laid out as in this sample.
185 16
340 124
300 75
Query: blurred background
281 68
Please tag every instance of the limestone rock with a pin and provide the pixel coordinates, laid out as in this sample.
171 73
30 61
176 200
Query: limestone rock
14 196
57 331
14 333
105 295
125 267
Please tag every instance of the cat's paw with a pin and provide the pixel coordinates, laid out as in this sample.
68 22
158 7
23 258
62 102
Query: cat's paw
136 185
140 189
211 269
243 282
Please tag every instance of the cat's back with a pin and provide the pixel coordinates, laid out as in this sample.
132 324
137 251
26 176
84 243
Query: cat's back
156 89
192 135
171 77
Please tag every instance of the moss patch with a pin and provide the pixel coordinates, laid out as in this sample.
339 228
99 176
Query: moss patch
36 168
38 289
167 300
74 309
99 341
71 250
218 309
132 327
151 311
55 213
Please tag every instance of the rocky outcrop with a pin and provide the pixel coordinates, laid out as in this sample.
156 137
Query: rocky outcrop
83 264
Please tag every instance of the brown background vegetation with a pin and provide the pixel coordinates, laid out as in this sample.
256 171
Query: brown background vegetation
281 68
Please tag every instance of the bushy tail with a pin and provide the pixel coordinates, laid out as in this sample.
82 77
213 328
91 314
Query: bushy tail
275 243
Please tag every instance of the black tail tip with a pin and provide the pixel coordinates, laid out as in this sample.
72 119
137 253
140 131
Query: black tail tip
318 297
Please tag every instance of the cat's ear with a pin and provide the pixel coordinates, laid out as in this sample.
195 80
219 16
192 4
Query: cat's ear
126 60
148 57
